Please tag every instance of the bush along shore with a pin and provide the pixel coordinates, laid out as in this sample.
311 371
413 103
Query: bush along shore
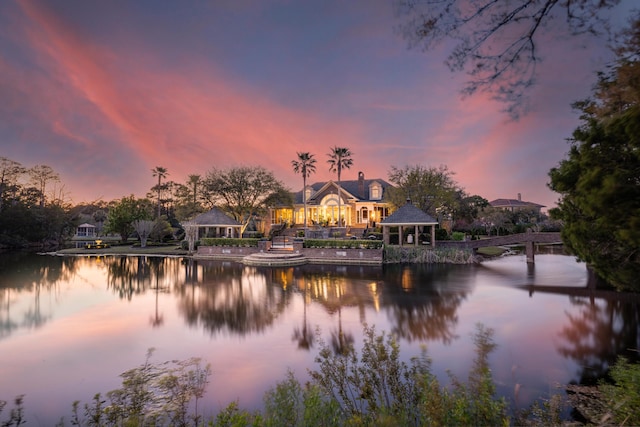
417 255
372 387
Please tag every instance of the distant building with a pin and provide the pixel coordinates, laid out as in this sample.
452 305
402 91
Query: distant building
513 205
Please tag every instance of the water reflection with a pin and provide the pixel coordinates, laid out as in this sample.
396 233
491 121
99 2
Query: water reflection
87 307
232 298
422 301
20 277
597 332
130 276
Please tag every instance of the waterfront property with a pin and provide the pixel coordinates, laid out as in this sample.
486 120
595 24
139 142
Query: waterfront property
361 206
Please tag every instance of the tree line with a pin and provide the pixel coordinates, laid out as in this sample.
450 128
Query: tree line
245 193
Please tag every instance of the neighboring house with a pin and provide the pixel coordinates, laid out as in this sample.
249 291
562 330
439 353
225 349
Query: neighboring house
513 205
86 230
361 205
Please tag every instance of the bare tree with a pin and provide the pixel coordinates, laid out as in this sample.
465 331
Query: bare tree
143 228
243 191
497 41
10 171
40 176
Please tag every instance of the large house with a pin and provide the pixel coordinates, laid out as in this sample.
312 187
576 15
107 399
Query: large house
513 205
361 204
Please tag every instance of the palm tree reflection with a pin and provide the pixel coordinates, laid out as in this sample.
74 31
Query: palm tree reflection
303 335
341 341
158 272
333 291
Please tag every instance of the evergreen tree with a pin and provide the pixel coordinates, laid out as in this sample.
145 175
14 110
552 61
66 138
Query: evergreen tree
599 182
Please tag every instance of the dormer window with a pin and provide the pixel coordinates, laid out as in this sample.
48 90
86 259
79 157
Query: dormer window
375 191
307 193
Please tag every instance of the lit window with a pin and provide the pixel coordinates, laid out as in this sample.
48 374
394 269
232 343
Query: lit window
375 192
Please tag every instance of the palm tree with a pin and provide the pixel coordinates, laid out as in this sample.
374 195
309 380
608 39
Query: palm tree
160 172
304 165
339 158
194 180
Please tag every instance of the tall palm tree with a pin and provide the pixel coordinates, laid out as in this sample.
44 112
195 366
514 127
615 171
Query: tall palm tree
194 180
160 172
339 158
304 165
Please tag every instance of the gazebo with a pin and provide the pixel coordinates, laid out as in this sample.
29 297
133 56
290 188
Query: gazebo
86 230
408 216
214 223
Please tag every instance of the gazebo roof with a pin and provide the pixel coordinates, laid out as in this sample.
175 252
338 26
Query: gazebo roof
215 217
408 215
86 225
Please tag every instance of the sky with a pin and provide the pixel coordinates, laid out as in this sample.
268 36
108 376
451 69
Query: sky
105 91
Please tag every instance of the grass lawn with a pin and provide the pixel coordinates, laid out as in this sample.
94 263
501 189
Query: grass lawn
491 251
126 250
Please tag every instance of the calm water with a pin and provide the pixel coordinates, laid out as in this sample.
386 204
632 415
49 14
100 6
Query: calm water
69 326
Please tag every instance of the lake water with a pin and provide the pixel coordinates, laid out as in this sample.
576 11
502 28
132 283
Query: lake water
69 326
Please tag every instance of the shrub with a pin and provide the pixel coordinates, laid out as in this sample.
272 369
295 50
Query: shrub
16 415
458 236
350 244
232 415
622 396
377 388
151 394
289 404
222 241
419 254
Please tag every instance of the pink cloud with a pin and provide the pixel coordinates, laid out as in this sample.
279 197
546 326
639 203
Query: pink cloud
189 119
105 115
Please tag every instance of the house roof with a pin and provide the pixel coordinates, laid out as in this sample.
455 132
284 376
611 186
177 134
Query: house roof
513 203
86 225
215 217
409 214
350 186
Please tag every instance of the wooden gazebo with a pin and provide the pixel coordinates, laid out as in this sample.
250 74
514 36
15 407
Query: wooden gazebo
412 217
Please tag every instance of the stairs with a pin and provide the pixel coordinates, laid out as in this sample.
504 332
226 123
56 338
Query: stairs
274 259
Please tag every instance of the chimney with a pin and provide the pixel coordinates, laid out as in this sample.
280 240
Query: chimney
361 185
519 197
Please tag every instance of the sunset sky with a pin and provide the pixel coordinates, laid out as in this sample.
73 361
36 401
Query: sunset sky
104 91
